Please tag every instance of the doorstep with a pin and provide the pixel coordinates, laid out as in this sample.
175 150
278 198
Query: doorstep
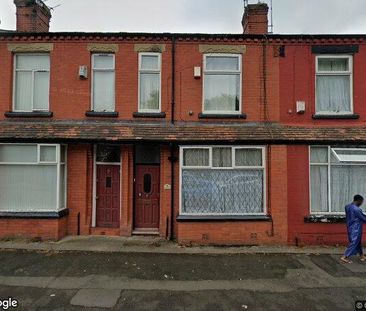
145 231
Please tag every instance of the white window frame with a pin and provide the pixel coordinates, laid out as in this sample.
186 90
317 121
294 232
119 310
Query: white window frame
328 164
223 72
95 163
58 164
15 70
154 71
93 70
334 73
233 167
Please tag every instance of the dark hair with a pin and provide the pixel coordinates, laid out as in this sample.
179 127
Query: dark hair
358 198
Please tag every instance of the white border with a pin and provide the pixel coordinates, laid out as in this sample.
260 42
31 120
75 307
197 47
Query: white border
216 72
263 167
141 71
335 73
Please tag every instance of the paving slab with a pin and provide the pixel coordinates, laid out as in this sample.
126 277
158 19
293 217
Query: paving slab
96 298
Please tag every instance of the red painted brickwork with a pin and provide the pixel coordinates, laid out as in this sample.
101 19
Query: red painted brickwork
45 229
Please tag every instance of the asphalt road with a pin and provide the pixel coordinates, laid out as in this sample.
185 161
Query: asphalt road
135 281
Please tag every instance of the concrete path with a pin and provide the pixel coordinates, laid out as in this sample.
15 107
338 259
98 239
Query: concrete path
64 280
139 244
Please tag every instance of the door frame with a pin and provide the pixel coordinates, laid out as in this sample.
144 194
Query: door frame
94 205
134 191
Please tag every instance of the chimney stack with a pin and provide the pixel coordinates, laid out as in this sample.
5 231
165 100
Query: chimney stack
255 19
32 16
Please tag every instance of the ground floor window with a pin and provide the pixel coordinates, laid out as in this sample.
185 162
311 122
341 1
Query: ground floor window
336 175
222 180
32 177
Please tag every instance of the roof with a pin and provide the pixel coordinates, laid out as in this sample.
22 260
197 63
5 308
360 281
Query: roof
194 132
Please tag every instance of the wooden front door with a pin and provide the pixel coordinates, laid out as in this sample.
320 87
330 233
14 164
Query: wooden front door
108 196
147 190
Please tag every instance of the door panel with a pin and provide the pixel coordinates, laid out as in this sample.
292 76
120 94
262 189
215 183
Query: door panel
147 192
108 196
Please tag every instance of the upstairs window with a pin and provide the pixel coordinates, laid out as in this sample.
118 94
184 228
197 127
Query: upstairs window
31 82
334 85
222 84
103 89
149 82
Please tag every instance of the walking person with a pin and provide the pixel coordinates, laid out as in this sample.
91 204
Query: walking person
355 218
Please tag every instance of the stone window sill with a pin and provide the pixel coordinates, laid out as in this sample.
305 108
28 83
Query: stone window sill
149 115
109 114
221 116
35 114
34 215
325 219
335 116
183 218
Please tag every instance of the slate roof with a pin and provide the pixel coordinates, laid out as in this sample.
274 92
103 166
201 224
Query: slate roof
193 132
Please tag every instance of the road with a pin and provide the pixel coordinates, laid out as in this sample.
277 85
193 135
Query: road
137 281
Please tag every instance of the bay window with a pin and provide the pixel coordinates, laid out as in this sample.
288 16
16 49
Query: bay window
103 89
222 180
149 82
336 175
222 83
31 82
32 178
334 85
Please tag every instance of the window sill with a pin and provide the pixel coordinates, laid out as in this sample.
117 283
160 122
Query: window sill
35 215
327 219
183 218
38 114
110 114
221 116
149 115
335 116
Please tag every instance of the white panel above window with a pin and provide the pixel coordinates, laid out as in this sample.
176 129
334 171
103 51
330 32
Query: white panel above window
103 61
222 63
150 62
350 155
11 153
32 62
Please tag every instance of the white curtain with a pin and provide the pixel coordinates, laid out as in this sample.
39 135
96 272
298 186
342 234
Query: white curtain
213 192
319 188
23 91
104 86
222 92
18 153
319 155
196 157
62 186
248 157
47 153
25 188
41 90
346 181
221 157
333 93
149 91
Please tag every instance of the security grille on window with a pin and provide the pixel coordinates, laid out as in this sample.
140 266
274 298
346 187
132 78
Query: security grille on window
32 178
103 83
149 82
222 181
336 175
31 82
334 85
222 83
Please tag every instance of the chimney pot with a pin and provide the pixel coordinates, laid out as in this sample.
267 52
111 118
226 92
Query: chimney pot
32 16
255 19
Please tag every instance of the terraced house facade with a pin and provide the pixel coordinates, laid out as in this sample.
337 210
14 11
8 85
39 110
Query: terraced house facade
250 138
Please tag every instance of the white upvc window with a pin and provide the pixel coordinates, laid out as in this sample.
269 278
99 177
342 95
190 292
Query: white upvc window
33 177
222 180
336 175
103 82
222 84
31 87
334 84
149 96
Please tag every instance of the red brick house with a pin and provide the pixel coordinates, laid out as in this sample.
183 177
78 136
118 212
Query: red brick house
250 138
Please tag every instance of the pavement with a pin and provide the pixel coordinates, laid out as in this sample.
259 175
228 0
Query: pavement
225 279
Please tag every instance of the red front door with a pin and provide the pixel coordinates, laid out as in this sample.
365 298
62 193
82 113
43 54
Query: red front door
108 196
147 197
